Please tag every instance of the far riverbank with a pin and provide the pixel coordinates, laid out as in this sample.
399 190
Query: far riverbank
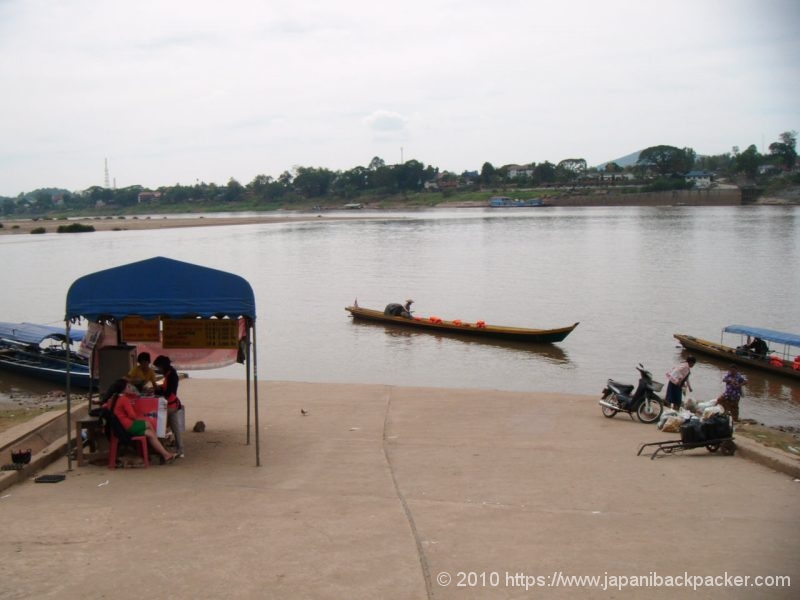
721 196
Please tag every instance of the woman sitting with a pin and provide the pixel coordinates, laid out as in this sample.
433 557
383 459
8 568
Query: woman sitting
122 406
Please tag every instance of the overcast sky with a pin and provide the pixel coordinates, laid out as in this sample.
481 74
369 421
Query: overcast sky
175 91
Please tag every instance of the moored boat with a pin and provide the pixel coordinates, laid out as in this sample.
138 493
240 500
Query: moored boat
40 351
478 329
783 357
506 202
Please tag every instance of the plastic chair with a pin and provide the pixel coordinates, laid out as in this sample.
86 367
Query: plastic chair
114 447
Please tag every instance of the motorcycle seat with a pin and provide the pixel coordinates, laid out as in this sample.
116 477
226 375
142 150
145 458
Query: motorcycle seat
624 388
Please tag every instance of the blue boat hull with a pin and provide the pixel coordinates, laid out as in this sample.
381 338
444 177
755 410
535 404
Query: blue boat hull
46 368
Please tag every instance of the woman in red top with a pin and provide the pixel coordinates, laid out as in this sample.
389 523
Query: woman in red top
124 411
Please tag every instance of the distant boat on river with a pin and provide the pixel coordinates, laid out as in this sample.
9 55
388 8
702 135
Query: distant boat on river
506 202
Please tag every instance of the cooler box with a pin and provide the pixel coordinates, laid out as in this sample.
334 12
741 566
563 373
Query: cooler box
153 410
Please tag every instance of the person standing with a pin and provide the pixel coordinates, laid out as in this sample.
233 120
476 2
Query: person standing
678 377
729 400
170 392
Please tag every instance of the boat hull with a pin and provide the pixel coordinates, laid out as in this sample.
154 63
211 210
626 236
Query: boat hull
44 368
728 353
474 330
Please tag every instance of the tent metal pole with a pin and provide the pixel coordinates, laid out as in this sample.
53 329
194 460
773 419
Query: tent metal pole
247 377
69 405
255 394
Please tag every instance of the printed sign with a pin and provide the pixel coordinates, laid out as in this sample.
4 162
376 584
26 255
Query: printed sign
200 333
137 329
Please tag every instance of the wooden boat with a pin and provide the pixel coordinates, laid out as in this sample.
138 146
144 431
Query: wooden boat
39 351
783 356
477 330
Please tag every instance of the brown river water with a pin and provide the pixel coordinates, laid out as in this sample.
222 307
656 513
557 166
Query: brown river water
632 277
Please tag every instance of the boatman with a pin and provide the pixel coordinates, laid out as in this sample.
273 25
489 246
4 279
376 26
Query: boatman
399 310
758 347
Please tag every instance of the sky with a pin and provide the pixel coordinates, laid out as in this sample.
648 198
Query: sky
181 92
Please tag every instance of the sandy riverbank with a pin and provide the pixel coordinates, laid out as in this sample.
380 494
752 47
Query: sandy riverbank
134 223
25 226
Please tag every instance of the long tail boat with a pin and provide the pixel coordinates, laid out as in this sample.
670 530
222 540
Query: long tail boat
782 358
40 351
477 330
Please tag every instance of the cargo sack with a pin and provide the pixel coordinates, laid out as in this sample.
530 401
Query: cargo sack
712 411
672 424
692 432
665 415
717 427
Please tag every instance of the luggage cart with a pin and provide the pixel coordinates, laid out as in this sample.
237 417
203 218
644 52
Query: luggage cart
726 446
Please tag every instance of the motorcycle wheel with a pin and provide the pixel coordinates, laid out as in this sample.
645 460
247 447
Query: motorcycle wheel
649 411
609 413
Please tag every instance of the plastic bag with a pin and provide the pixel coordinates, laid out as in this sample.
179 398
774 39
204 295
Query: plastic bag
717 427
711 411
672 424
668 413
701 406
692 432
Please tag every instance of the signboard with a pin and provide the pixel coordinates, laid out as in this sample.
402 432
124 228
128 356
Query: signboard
201 333
137 329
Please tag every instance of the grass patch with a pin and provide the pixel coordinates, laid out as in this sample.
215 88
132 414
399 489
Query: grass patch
75 228
772 438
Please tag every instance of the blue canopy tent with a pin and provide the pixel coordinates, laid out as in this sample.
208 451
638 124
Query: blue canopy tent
166 288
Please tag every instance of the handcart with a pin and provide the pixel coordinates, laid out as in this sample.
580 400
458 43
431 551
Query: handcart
726 446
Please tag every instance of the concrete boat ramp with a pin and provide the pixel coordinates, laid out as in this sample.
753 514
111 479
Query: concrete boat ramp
405 493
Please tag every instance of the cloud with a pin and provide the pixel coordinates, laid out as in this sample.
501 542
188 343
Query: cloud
385 121
249 87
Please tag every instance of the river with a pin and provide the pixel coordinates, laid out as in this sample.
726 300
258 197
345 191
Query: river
632 277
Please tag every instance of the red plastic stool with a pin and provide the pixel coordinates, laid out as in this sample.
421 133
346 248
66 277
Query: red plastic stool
114 445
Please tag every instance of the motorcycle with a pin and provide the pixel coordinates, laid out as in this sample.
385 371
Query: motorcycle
644 402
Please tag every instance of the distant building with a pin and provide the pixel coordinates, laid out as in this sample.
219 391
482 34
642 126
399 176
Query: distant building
443 181
148 196
519 171
701 179
608 176
768 170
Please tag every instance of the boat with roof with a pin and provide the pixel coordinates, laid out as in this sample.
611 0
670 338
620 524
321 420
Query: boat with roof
41 351
759 348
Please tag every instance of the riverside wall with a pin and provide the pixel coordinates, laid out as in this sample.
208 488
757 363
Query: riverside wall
715 197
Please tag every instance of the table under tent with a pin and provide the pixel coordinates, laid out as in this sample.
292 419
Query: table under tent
188 310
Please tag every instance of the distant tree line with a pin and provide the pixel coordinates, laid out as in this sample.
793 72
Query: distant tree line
659 167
